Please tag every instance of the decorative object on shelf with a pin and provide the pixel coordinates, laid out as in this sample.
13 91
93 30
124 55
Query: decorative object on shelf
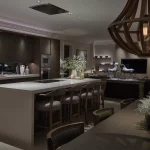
125 70
83 54
75 64
22 69
27 70
114 69
130 30
144 108
102 57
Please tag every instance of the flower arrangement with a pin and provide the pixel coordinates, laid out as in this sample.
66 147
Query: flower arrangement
144 106
75 63
62 65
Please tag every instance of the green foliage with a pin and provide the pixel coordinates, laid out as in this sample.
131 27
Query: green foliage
144 106
75 63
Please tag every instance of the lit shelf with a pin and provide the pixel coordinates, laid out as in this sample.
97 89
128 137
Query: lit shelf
102 57
106 63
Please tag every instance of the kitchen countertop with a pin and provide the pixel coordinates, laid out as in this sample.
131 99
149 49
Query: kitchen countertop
4 146
17 108
17 76
41 87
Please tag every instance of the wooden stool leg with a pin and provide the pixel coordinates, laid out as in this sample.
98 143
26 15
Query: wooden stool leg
79 111
86 120
50 125
61 116
102 97
70 112
98 105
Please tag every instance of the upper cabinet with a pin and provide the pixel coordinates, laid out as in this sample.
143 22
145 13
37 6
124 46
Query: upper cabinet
45 46
16 48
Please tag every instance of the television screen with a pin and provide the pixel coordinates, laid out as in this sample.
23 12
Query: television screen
139 65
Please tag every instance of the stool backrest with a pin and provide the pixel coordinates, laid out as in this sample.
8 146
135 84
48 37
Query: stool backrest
64 134
90 87
101 85
102 114
75 91
56 93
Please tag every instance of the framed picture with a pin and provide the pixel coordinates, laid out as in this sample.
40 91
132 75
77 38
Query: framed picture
83 54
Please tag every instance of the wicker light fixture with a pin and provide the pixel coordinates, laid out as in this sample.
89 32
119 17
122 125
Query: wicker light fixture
131 29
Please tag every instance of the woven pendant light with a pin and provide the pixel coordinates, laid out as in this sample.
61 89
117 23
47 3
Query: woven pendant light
131 29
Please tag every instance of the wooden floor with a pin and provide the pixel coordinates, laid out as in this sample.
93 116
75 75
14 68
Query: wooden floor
40 138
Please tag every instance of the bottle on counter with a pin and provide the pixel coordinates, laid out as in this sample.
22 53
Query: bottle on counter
27 70
22 67
17 69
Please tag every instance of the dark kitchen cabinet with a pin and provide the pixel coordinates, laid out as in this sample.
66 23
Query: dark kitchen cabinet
45 46
55 58
16 48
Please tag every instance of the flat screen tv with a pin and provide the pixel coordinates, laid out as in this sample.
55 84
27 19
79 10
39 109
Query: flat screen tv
140 65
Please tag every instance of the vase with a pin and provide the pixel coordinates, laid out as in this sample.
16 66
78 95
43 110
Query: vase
74 74
17 69
22 67
27 70
147 119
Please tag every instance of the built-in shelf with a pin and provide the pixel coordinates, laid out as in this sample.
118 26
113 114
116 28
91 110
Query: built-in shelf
106 63
102 57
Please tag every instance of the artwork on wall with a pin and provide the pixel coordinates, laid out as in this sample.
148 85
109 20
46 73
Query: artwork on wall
83 54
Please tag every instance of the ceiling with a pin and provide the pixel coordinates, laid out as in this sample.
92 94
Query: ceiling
90 18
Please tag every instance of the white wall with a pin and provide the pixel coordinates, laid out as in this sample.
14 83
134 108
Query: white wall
117 54
81 46
120 54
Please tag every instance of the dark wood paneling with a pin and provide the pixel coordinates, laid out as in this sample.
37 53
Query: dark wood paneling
55 58
19 80
16 48
45 46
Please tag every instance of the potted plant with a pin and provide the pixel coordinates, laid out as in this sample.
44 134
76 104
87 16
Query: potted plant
75 64
144 108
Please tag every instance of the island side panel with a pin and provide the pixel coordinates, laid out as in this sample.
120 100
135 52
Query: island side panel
17 117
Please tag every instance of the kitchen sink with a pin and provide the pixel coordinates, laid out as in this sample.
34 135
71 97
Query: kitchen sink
48 81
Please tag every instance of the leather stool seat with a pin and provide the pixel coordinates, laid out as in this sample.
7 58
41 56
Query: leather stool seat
101 92
75 100
89 95
45 105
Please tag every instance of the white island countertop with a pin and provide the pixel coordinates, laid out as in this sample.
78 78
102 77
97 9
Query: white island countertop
17 76
36 87
17 105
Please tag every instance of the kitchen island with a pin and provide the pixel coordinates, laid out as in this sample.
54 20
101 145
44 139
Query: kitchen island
17 109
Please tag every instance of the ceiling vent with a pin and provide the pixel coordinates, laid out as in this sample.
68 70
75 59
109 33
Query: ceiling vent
49 9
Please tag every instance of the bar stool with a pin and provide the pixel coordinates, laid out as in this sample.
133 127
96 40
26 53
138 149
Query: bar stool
87 96
49 104
102 114
99 92
73 98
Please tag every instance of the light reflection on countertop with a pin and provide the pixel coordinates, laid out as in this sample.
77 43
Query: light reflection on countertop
36 87
17 76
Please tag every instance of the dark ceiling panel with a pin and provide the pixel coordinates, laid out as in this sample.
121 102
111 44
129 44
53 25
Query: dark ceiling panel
49 9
